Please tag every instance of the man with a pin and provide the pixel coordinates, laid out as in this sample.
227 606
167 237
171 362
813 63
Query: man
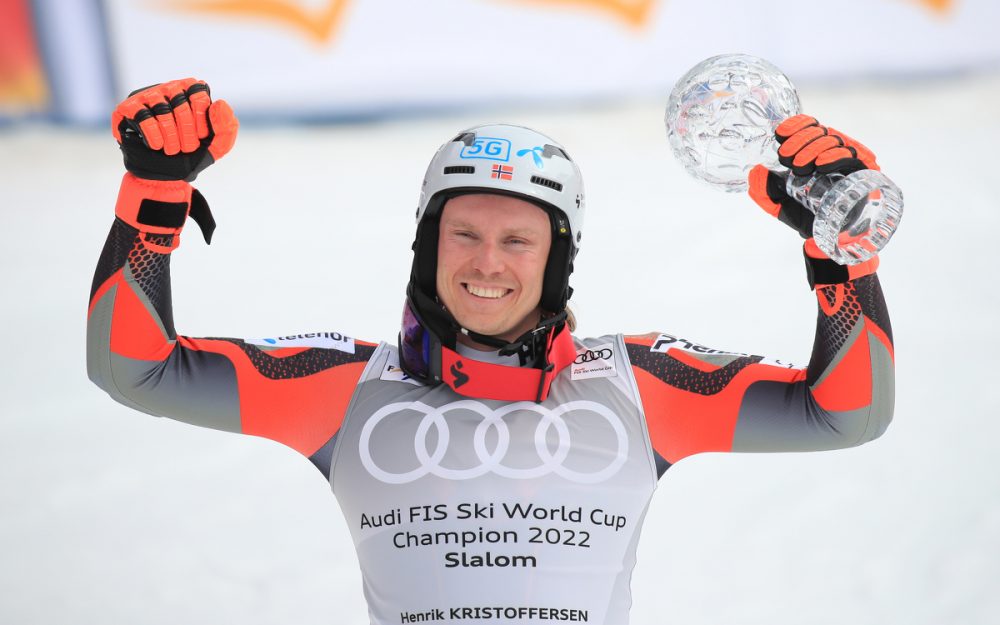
492 467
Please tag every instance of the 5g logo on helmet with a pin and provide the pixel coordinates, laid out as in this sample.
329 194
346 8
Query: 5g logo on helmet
489 148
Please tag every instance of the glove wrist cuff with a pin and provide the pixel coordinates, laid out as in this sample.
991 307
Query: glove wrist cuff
157 208
822 271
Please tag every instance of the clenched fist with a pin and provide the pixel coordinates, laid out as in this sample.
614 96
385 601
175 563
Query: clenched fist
173 130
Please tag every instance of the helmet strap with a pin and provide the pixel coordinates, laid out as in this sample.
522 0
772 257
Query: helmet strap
529 346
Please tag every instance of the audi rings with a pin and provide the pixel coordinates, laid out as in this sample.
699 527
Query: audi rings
492 461
591 355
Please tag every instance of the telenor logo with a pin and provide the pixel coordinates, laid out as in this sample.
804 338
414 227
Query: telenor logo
536 155
324 340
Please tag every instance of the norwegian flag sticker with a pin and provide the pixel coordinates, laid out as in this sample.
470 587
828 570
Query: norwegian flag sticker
503 172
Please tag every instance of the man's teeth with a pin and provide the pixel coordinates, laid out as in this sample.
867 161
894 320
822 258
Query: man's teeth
482 291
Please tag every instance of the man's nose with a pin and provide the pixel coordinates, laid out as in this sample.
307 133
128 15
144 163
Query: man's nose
489 259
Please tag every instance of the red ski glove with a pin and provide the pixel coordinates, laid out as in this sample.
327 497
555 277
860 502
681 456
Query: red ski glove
173 130
168 133
806 147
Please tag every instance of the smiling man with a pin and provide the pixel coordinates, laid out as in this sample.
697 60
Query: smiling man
492 253
491 466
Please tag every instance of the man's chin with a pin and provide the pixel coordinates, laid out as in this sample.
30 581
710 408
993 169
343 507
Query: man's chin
497 330
503 333
496 325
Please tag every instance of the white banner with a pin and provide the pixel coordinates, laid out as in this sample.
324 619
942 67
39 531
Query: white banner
328 58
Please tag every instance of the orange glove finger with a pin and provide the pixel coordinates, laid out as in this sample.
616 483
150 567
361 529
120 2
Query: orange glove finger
814 149
156 100
125 110
794 124
225 125
184 118
200 99
791 145
175 92
116 120
865 155
162 120
168 129
757 188
150 130
134 111
828 158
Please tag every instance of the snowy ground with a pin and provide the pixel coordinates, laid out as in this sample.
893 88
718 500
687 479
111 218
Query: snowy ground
109 516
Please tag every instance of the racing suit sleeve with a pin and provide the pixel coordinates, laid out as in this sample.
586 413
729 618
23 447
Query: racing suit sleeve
699 399
297 395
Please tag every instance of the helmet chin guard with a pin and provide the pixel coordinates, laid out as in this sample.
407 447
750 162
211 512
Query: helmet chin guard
505 160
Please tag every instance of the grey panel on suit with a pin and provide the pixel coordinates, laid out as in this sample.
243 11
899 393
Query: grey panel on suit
776 416
190 386
883 390
99 368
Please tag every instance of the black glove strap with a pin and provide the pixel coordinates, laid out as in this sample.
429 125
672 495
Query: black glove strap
172 214
161 214
825 271
202 215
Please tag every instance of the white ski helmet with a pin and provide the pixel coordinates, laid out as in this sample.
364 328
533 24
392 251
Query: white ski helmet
507 160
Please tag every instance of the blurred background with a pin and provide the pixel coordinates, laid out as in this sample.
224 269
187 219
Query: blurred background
110 516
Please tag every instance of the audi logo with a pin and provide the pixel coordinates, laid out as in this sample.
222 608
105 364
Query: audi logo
491 461
592 355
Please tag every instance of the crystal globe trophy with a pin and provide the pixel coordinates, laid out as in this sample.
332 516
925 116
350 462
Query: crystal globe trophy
720 121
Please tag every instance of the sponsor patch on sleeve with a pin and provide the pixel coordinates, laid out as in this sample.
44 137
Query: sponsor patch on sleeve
666 342
324 340
594 362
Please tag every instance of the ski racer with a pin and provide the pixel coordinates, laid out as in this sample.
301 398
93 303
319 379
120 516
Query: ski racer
491 465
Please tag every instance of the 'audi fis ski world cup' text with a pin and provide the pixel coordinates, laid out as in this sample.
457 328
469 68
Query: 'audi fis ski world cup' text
570 527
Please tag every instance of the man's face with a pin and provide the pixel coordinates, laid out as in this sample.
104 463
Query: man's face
492 252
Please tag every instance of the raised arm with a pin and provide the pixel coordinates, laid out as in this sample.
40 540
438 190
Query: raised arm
701 399
296 395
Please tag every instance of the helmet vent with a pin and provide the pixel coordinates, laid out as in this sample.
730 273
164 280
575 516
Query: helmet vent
460 169
553 150
545 182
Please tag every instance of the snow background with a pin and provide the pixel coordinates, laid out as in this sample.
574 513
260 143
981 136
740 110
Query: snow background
110 516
